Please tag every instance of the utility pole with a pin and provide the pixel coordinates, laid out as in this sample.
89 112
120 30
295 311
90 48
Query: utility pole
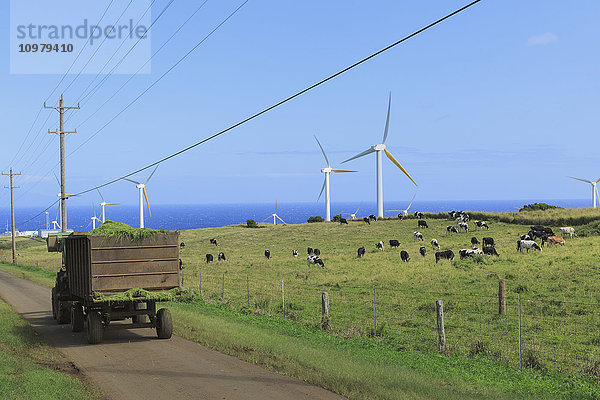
12 214
63 184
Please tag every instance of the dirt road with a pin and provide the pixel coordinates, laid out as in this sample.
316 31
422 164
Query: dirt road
136 365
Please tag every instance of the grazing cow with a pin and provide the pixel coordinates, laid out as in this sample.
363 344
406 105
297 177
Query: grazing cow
214 241
541 228
422 224
474 241
533 234
490 251
482 224
394 243
221 257
295 253
404 256
181 245
343 221
209 258
267 254
310 251
400 216
418 236
469 252
434 244
379 246
372 217
423 251
488 241
317 252
526 237
528 245
556 240
463 226
315 260
361 251
450 230
567 230
444 255
367 220
419 214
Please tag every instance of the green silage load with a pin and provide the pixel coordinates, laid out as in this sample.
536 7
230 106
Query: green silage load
136 293
117 230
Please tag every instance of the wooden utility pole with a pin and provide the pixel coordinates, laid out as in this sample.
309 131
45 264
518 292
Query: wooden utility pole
12 214
63 184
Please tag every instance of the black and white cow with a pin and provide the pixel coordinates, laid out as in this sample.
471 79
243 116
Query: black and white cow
450 230
463 226
295 253
527 245
490 251
209 258
474 241
317 252
343 221
361 251
482 224
422 224
394 243
315 260
268 254
181 245
488 241
526 237
367 220
214 241
422 251
310 251
221 257
444 255
372 217
418 236
435 244
463 253
419 214
404 256
379 246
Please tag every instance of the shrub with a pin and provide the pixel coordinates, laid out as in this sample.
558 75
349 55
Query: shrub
537 207
315 219
337 218
250 223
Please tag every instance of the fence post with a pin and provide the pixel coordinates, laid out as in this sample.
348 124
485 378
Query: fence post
223 288
502 297
325 311
520 356
248 290
439 307
374 313
283 296
200 284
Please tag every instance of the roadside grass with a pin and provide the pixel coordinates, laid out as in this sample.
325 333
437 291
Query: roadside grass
30 369
359 367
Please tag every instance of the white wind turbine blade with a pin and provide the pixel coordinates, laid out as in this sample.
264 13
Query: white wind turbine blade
364 153
387 121
277 216
579 179
323 151
275 207
56 177
359 205
322 189
413 199
131 180
151 174
269 217
100 195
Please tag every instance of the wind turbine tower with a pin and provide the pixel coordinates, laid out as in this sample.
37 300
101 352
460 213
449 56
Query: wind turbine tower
379 149
142 189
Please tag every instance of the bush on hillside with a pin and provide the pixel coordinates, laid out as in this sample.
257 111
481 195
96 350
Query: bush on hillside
315 219
250 223
337 218
538 207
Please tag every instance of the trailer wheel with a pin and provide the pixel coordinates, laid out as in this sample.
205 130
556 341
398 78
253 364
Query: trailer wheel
77 321
54 302
94 327
164 324
63 314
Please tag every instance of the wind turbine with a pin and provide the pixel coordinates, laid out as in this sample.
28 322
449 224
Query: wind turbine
94 219
143 194
103 204
405 212
274 215
353 216
378 149
594 189
325 187
55 224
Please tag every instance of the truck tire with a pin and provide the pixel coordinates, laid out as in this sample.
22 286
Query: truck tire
94 327
140 319
54 303
77 321
63 314
164 324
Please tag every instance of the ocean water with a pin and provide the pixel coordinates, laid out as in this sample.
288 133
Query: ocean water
192 216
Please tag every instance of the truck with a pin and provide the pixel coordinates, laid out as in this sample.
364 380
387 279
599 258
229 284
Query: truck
104 279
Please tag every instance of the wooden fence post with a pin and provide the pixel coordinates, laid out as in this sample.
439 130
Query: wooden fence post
325 324
502 297
439 307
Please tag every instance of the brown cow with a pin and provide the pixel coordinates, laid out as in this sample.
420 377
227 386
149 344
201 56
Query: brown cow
556 240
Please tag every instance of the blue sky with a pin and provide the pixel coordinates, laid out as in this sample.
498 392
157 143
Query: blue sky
499 102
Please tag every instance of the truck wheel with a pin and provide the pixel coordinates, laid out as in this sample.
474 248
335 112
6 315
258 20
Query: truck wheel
54 302
94 327
63 314
77 321
164 324
140 319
